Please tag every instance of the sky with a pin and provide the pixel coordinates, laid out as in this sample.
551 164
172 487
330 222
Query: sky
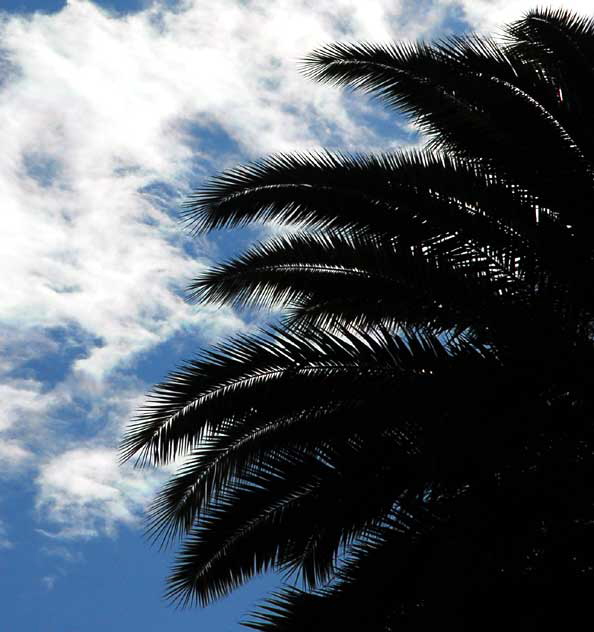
111 112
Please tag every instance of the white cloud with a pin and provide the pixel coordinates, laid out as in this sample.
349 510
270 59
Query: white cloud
5 543
84 492
49 581
23 408
63 554
13 456
488 16
19 398
98 110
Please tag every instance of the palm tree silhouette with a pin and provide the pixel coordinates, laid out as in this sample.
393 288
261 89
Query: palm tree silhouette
413 442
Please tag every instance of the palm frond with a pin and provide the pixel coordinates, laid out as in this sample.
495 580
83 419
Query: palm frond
354 193
560 44
251 527
331 280
468 95
355 600
256 412
212 389
292 189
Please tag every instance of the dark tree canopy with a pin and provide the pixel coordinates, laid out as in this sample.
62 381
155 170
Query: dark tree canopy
414 441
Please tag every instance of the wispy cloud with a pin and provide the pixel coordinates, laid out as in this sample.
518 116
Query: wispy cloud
63 553
49 581
5 542
84 492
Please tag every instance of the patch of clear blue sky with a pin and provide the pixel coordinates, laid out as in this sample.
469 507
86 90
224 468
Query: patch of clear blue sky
51 6
108 584
28 6
71 343
41 168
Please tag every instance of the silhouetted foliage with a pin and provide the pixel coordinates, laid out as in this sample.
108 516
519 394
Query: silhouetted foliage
414 441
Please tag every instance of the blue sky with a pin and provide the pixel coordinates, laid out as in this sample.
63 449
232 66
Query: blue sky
111 112
50 6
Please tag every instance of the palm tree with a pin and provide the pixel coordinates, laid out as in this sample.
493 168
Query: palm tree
413 442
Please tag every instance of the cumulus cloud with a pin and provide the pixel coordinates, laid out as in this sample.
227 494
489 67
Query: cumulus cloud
84 492
20 399
13 456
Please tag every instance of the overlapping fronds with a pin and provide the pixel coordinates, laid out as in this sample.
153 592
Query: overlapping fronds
475 99
413 443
